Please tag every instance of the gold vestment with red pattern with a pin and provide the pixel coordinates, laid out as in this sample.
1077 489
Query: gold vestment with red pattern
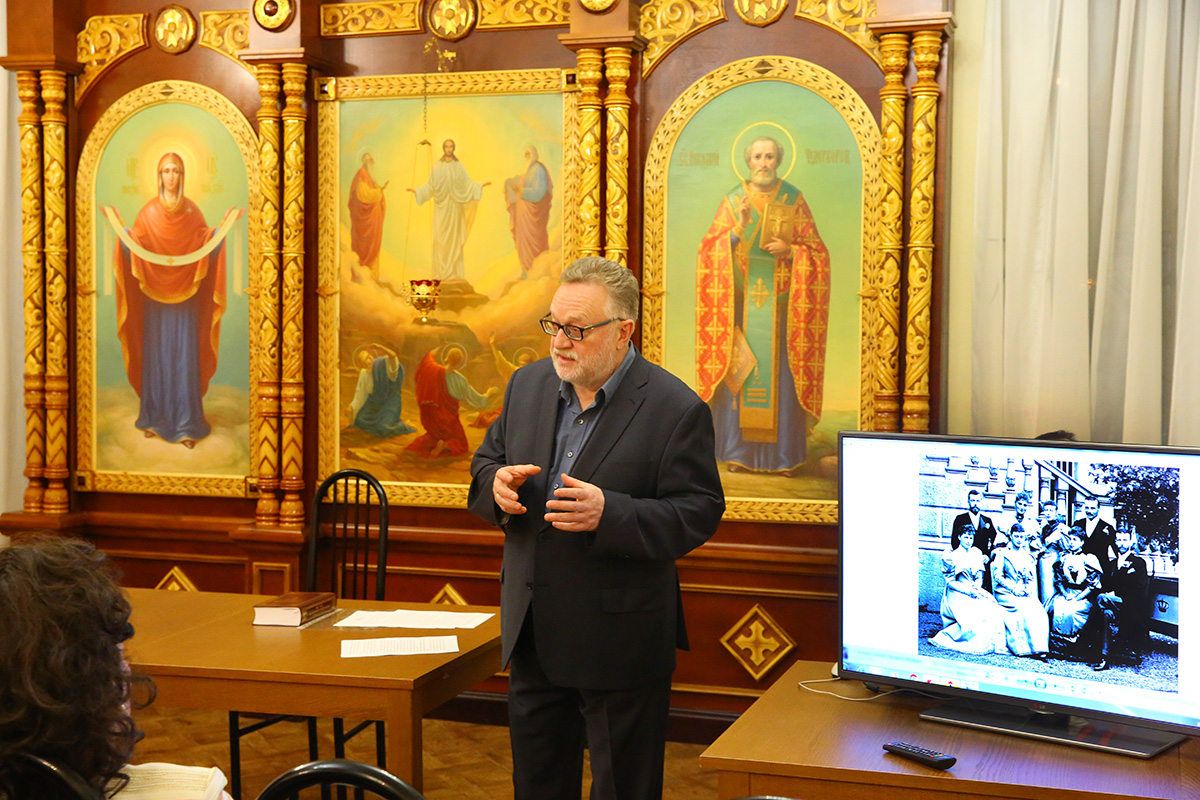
802 276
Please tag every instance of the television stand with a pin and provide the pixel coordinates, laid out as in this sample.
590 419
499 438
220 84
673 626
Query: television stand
1094 734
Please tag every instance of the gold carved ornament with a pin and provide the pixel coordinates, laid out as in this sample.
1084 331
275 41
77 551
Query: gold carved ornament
891 247
274 15
926 55
598 6
370 18
617 62
760 12
757 642
591 72
847 17
174 29
54 220
291 411
516 14
103 43
451 19
328 312
667 23
114 117
267 508
176 580
226 32
33 290
449 596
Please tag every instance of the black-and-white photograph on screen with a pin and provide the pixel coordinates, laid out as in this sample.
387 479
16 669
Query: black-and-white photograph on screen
1062 567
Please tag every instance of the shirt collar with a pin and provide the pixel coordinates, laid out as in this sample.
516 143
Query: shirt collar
567 392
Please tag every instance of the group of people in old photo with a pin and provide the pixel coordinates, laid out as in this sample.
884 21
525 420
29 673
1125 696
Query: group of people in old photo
1036 586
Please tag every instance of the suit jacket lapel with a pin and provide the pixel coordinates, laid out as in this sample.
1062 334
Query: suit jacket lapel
622 407
545 410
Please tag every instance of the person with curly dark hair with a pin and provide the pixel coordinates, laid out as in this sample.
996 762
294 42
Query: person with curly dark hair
67 691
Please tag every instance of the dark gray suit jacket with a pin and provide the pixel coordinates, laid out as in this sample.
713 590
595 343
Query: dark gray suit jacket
606 603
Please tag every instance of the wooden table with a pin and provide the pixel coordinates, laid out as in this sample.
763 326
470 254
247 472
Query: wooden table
794 743
203 651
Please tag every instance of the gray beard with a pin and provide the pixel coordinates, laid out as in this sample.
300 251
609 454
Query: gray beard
760 183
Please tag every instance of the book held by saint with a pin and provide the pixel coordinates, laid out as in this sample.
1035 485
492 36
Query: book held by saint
295 608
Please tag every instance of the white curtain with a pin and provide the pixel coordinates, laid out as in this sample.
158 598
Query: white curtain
12 324
1085 260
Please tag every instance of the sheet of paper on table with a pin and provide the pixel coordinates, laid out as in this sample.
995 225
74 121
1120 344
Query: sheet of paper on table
399 646
407 618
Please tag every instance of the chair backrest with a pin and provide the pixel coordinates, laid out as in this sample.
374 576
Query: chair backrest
340 527
340 772
36 777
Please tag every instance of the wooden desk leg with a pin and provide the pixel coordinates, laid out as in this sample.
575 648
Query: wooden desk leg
732 785
404 739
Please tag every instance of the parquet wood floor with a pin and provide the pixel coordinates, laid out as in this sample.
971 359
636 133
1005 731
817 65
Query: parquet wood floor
463 761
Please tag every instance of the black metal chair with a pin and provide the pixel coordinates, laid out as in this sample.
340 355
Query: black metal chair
33 776
363 778
342 551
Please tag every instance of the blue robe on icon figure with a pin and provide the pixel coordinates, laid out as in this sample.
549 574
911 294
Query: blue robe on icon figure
376 404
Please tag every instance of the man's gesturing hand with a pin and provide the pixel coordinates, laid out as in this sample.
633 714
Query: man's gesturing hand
578 508
506 483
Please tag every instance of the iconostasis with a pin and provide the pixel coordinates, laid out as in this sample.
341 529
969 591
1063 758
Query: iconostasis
265 241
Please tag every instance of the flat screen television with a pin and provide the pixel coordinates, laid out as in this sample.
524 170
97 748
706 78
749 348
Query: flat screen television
1095 554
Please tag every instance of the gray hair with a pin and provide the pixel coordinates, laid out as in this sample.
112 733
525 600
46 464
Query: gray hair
618 281
778 149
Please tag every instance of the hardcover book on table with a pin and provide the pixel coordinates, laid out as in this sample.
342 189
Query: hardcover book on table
295 608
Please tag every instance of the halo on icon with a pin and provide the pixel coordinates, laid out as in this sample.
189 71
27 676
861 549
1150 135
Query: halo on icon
737 154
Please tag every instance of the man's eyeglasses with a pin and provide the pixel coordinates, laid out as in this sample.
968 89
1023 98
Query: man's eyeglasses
573 332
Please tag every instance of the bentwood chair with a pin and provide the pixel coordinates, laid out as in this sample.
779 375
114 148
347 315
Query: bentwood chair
365 779
32 776
346 554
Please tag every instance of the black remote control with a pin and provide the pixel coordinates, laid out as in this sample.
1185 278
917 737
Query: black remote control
930 758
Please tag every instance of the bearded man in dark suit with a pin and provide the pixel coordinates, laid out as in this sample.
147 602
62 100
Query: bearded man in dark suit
985 531
601 471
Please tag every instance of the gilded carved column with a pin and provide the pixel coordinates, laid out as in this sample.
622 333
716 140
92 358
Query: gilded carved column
267 510
34 290
894 52
616 106
291 510
591 65
57 386
927 46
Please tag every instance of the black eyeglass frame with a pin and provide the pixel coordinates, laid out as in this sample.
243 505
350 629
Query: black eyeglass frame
551 328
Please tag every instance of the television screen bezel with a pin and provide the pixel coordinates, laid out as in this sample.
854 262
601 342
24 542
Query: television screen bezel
961 693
